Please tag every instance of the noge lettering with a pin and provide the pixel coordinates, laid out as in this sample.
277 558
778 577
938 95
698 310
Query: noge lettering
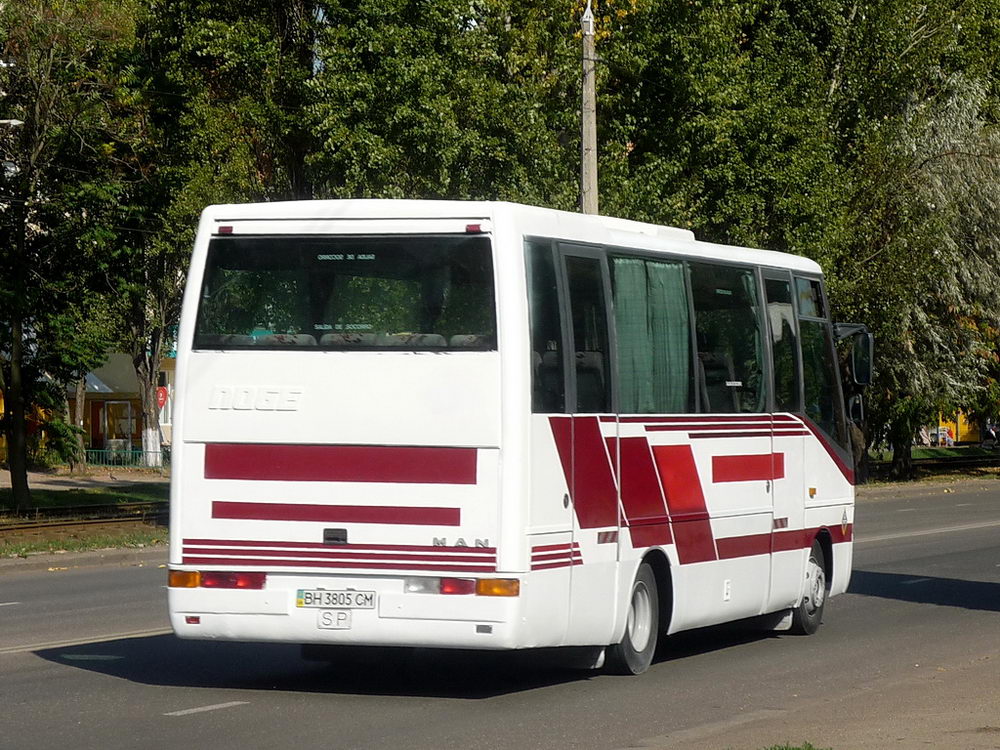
259 398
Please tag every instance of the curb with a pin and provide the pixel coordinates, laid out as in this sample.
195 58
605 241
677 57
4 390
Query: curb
92 559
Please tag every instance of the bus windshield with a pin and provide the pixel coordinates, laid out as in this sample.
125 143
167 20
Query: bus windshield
411 293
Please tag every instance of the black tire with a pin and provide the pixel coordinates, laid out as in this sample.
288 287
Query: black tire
634 653
806 617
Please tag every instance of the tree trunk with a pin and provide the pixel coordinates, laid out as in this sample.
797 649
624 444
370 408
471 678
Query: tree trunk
17 443
902 460
78 414
146 364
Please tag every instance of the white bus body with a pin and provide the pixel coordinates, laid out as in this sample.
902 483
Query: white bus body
484 425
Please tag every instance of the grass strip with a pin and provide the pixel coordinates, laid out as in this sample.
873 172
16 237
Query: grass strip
139 537
139 492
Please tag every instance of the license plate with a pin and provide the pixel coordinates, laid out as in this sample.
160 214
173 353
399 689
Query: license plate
334 619
326 599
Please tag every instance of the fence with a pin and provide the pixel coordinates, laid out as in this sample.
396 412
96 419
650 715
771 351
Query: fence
127 457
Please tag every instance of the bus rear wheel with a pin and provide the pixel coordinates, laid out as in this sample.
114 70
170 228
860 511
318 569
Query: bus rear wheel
807 617
634 653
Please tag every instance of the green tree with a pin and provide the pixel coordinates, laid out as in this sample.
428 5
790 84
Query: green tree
58 195
447 99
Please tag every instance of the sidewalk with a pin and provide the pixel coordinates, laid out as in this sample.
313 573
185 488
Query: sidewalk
95 477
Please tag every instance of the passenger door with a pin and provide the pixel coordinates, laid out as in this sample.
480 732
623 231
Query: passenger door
787 442
590 401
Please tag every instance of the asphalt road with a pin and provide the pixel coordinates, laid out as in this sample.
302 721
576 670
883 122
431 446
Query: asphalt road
82 665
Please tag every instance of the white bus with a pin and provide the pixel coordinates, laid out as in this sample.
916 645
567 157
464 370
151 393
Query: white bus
484 425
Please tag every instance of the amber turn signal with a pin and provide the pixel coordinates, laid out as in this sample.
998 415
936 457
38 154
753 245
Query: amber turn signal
498 587
184 579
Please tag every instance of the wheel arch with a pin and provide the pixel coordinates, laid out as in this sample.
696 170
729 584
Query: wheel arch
825 540
657 560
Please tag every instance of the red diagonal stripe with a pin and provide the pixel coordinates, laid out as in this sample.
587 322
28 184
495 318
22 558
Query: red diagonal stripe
686 503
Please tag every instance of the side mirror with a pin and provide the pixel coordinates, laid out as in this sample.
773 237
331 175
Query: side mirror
862 353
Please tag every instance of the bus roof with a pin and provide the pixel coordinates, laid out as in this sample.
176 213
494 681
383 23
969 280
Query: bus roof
605 230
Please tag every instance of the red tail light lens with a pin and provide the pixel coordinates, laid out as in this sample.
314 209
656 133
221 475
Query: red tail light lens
214 579
458 586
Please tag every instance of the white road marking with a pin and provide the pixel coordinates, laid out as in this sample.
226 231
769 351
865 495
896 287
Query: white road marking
915 580
927 532
8 604
84 641
90 657
201 709
906 510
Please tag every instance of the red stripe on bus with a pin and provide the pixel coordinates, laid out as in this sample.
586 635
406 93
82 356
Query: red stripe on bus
697 428
847 471
341 463
649 535
684 420
642 496
388 514
730 434
685 503
587 470
287 563
322 545
751 545
756 467
336 554
556 547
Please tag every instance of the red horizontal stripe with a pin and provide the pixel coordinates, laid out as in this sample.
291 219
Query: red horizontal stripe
390 514
743 546
707 427
729 434
549 566
321 545
551 547
755 467
334 554
719 419
341 463
286 563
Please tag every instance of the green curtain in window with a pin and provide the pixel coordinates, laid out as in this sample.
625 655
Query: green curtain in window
654 336
635 353
671 335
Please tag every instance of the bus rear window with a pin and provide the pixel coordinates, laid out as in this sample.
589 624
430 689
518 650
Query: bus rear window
402 293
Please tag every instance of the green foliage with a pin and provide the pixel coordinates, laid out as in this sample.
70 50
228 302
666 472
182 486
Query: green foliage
447 99
861 134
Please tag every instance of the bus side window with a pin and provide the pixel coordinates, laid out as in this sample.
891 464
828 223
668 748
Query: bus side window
730 361
784 344
652 323
821 383
590 334
547 377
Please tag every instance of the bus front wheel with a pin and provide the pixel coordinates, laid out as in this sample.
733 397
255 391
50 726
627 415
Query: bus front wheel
634 653
807 617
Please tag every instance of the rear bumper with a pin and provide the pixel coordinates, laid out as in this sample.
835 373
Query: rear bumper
397 619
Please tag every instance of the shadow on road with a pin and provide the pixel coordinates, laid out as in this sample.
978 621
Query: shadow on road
168 661
945 592
439 673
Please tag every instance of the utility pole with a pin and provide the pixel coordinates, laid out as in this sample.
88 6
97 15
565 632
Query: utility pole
588 118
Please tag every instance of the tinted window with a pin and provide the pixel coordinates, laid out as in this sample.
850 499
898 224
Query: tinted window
784 347
547 379
348 292
590 334
728 327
